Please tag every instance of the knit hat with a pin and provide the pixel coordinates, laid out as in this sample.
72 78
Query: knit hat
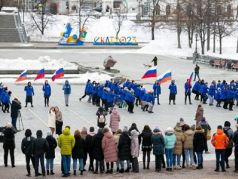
28 133
169 129
156 130
125 129
227 124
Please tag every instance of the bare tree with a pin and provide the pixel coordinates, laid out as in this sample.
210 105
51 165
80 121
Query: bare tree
153 17
40 18
118 21
179 22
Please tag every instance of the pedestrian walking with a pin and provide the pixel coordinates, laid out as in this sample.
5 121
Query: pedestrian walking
196 72
29 94
26 148
67 92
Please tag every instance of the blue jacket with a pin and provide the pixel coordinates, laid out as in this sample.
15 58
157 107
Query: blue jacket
212 90
29 90
89 88
203 89
47 90
150 98
187 88
173 89
129 97
157 89
110 98
67 88
5 98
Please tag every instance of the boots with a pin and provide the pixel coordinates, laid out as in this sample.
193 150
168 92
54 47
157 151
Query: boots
143 164
81 172
148 165
48 172
74 172
51 172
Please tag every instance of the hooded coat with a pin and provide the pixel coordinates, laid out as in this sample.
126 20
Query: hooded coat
199 141
26 144
66 142
50 154
40 145
114 120
158 143
109 147
199 114
220 140
169 139
78 149
97 147
188 139
135 147
178 148
124 145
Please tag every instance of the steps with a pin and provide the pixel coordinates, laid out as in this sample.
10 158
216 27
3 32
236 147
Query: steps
11 29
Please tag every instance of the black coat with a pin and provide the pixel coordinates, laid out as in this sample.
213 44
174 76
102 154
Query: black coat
89 144
50 154
15 107
78 150
124 146
39 146
9 138
235 138
145 137
26 145
58 126
199 141
97 147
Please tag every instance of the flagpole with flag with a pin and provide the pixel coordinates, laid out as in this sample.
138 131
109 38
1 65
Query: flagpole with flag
150 73
22 76
40 74
190 79
167 76
58 74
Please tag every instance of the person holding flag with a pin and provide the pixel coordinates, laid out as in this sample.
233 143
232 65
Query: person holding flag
187 87
29 93
47 92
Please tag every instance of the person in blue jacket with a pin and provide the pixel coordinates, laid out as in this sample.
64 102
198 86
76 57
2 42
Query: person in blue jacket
187 88
212 92
173 92
130 99
196 89
47 92
218 97
67 91
6 101
157 91
29 94
203 92
88 91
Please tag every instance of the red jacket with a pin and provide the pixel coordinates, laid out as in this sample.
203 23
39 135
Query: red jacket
220 140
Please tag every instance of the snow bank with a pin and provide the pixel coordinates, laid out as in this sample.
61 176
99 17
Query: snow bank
35 64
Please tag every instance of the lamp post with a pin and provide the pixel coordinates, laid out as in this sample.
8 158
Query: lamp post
196 48
139 8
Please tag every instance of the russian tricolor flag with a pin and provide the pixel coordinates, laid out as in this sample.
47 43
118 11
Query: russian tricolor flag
167 76
22 77
40 74
150 73
58 74
190 79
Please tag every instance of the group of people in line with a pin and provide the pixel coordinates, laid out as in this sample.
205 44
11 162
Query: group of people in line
112 146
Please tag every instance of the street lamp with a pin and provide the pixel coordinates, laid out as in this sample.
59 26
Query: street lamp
196 48
139 8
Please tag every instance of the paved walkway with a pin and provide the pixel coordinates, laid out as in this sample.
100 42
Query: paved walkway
207 173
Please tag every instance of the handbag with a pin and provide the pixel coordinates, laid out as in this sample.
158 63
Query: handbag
208 134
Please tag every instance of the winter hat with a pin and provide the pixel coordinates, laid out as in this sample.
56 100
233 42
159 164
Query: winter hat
39 133
227 124
8 125
125 129
91 129
169 129
181 122
28 133
156 130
